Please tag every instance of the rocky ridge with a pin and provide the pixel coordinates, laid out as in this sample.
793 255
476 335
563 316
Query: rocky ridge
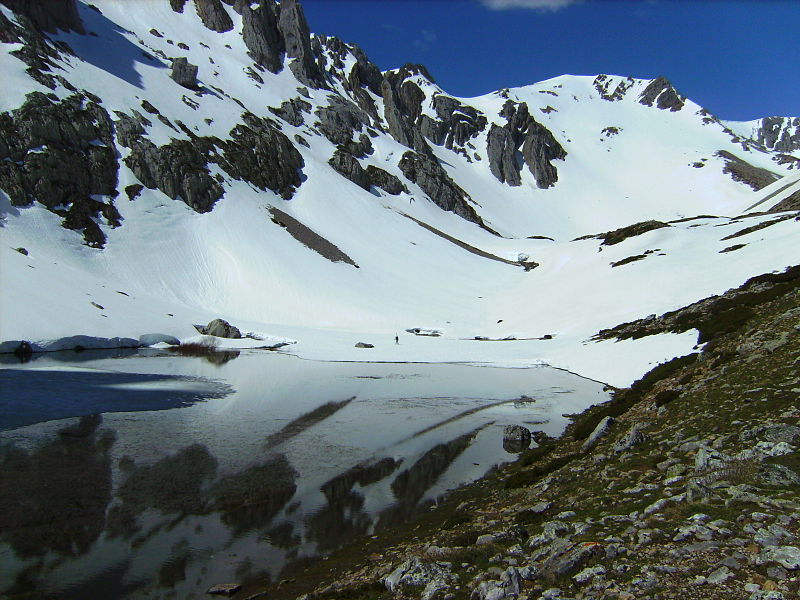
362 103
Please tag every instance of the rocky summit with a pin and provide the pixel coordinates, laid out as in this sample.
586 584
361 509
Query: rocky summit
212 174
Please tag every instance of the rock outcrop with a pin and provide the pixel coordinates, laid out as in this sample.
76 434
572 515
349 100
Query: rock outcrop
539 147
261 154
661 92
386 181
431 177
779 133
179 169
340 119
346 165
49 15
61 153
297 38
292 111
213 15
260 33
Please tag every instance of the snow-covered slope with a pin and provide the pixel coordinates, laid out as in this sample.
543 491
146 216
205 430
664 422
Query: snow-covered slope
296 191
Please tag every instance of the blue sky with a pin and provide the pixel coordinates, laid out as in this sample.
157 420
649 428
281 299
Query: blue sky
741 60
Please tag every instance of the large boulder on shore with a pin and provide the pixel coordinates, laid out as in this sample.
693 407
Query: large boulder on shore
220 328
516 438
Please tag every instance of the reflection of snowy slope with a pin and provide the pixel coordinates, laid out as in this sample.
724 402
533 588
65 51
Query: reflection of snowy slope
166 266
368 442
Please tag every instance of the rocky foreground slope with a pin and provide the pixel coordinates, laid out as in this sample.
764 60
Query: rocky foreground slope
686 485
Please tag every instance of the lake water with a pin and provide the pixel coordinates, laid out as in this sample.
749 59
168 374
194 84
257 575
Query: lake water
145 475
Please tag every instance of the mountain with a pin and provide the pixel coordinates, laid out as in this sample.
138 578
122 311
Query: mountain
166 163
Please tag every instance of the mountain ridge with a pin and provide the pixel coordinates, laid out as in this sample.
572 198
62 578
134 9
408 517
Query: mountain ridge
235 108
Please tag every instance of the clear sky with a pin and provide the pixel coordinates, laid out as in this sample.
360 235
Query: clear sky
739 59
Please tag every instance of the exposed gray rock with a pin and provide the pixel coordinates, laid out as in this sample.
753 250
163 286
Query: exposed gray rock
360 148
260 33
603 428
177 5
664 95
75 160
502 151
786 556
364 345
634 437
340 119
602 85
402 101
779 133
310 238
49 15
347 165
261 154
224 589
297 38
292 111
213 15
429 175
562 565
773 432
539 148
516 438
364 73
184 73
415 573
386 181
179 169
457 123
220 328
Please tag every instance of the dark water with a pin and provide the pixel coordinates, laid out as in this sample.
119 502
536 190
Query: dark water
159 476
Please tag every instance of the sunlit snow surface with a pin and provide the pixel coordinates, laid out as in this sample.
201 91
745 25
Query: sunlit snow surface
167 268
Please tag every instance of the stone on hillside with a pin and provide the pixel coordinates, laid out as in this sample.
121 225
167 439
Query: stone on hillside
184 73
634 437
539 149
364 345
603 428
773 432
224 589
220 328
516 438
416 573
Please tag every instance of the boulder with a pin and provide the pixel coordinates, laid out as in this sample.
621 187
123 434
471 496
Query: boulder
516 438
364 345
220 328
184 73
224 589
603 428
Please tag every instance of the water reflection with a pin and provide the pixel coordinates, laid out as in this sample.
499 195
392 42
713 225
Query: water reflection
281 461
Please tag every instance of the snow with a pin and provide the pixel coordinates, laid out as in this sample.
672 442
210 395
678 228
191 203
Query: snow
167 268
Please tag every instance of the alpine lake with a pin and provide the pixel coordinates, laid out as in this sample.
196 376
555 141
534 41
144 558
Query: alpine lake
145 474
